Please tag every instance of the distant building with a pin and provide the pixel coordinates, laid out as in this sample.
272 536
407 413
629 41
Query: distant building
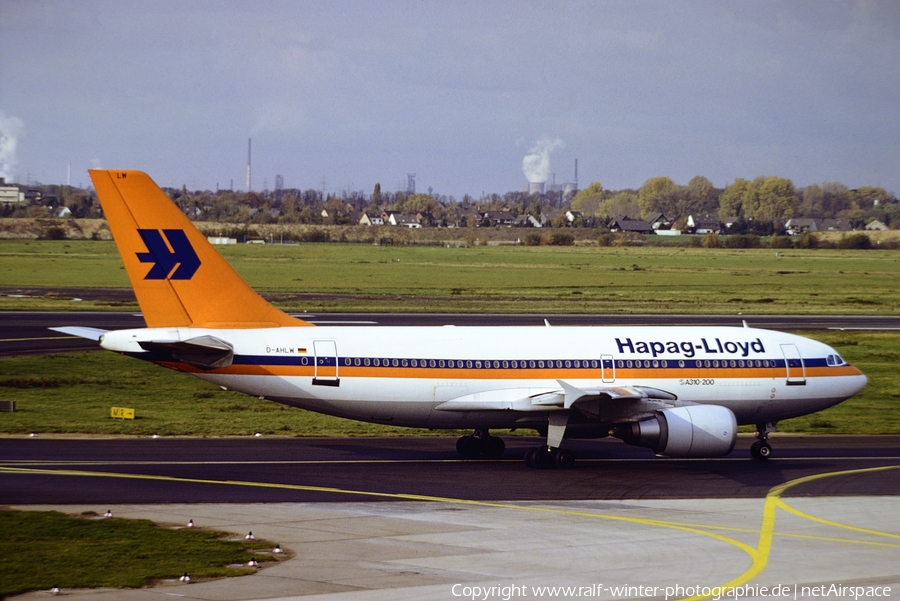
526 220
659 221
807 224
397 218
221 240
624 224
10 193
498 218
371 219
704 224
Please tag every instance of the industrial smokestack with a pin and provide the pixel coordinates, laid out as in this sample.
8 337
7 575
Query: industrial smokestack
248 163
536 164
535 187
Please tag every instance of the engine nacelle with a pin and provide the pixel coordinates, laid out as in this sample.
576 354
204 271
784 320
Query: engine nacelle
691 431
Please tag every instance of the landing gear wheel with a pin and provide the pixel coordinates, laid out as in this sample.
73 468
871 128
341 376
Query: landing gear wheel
539 458
492 447
480 444
760 450
469 447
564 458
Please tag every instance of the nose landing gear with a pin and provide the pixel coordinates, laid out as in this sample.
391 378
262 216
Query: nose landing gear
761 449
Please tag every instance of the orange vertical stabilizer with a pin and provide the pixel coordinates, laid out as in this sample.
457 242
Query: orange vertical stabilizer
178 277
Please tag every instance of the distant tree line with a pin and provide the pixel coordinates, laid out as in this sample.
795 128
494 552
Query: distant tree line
759 206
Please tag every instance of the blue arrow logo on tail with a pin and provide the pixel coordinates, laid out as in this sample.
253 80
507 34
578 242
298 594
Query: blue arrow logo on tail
164 260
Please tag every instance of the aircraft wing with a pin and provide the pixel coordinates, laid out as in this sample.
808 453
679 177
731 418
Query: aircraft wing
639 399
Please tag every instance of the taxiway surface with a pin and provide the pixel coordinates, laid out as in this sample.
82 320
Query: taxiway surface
205 470
385 519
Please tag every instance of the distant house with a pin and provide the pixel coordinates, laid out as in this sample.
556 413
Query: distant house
549 214
876 225
836 225
342 215
571 216
798 225
730 221
402 219
626 224
498 218
371 219
807 224
659 221
526 220
704 224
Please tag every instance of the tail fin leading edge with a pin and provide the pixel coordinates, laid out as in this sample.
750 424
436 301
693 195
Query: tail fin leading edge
178 277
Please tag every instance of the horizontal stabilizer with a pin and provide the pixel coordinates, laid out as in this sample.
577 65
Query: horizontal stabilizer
81 332
205 352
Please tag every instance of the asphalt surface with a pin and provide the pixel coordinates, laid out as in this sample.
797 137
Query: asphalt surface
27 333
266 470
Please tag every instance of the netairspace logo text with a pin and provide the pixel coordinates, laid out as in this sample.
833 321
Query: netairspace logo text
715 593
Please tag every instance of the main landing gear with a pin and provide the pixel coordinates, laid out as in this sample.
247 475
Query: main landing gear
551 455
546 457
761 448
480 445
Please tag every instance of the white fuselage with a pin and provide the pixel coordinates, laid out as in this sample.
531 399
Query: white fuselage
460 377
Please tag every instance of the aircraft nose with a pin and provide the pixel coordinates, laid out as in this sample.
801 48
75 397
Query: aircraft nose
861 380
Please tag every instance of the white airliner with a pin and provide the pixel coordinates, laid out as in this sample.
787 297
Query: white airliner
681 391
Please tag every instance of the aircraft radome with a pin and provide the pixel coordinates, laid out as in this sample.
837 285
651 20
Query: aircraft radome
681 391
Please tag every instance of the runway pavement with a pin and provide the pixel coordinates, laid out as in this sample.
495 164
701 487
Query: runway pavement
50 469
377 519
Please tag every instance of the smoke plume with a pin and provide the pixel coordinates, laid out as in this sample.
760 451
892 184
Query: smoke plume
536 165
11 129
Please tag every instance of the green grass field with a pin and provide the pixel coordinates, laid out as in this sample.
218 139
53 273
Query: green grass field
42 549
501 279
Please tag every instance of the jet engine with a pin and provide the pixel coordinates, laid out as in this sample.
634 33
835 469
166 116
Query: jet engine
690 431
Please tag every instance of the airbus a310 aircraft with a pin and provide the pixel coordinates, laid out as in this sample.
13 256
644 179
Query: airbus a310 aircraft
681 391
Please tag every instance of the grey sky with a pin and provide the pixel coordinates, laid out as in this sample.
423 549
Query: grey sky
355 93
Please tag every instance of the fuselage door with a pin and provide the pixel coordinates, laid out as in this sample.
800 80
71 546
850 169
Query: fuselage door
796 371
326 373
609 368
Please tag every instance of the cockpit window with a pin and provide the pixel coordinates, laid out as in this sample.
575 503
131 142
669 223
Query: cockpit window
834 360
